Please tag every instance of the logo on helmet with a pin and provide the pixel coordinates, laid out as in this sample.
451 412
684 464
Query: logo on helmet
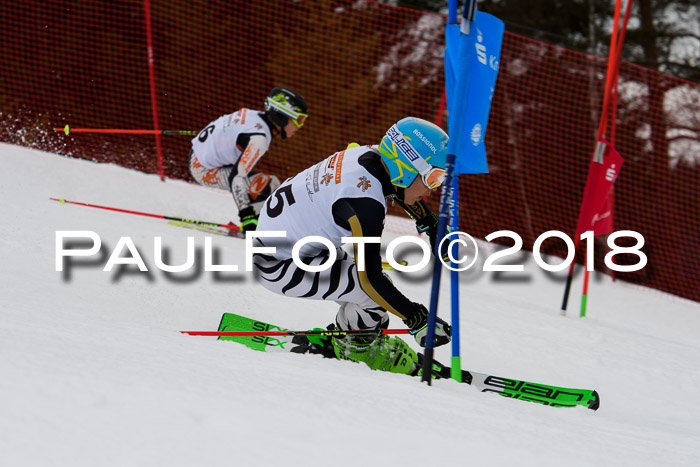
425 140
402 143
282 99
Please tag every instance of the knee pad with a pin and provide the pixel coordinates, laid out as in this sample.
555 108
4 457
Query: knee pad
261 186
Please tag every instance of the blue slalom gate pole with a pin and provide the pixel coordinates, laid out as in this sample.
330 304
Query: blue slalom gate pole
456 364
461 95
451 11
437 270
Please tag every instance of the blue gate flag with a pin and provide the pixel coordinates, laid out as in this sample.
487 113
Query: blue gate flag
471 69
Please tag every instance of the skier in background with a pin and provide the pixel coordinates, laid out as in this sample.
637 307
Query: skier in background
346 195
225 152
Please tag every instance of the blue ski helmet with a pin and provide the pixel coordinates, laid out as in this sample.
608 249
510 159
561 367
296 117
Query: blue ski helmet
413 147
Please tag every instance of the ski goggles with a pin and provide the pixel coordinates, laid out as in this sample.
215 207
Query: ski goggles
300 120
297 117
433 178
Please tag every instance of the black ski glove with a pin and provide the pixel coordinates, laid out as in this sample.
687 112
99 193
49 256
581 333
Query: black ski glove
418 326
249 220
432 222
427 221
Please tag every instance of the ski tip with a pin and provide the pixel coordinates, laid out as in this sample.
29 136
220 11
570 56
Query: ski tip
594 403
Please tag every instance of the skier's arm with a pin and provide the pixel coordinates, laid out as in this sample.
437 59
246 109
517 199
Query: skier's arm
255 146
426 221
421 213
364 217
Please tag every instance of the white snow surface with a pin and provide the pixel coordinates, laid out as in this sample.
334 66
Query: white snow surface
93 370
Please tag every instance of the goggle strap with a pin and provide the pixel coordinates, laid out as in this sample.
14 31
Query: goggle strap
285 110
418 163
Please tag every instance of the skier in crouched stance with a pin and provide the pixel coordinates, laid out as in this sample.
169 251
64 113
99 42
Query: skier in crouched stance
346 195
225 152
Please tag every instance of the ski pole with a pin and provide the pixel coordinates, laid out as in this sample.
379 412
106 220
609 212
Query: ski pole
67 130
233 228
159 216
315 332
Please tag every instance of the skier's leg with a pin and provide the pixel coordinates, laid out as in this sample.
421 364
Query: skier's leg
215 178
338 283
378 351
358 311
250 192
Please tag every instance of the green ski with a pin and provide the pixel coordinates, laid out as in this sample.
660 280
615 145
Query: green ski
231 322
512 388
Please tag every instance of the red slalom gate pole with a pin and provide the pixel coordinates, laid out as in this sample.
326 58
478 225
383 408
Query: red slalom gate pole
152 80
584 295
159 216
68 130
320 332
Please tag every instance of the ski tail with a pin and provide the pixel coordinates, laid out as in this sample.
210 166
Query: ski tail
232 322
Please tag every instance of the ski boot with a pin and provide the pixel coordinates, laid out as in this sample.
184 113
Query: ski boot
379 352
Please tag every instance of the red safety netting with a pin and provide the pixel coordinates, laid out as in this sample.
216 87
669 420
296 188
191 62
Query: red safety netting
361 66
